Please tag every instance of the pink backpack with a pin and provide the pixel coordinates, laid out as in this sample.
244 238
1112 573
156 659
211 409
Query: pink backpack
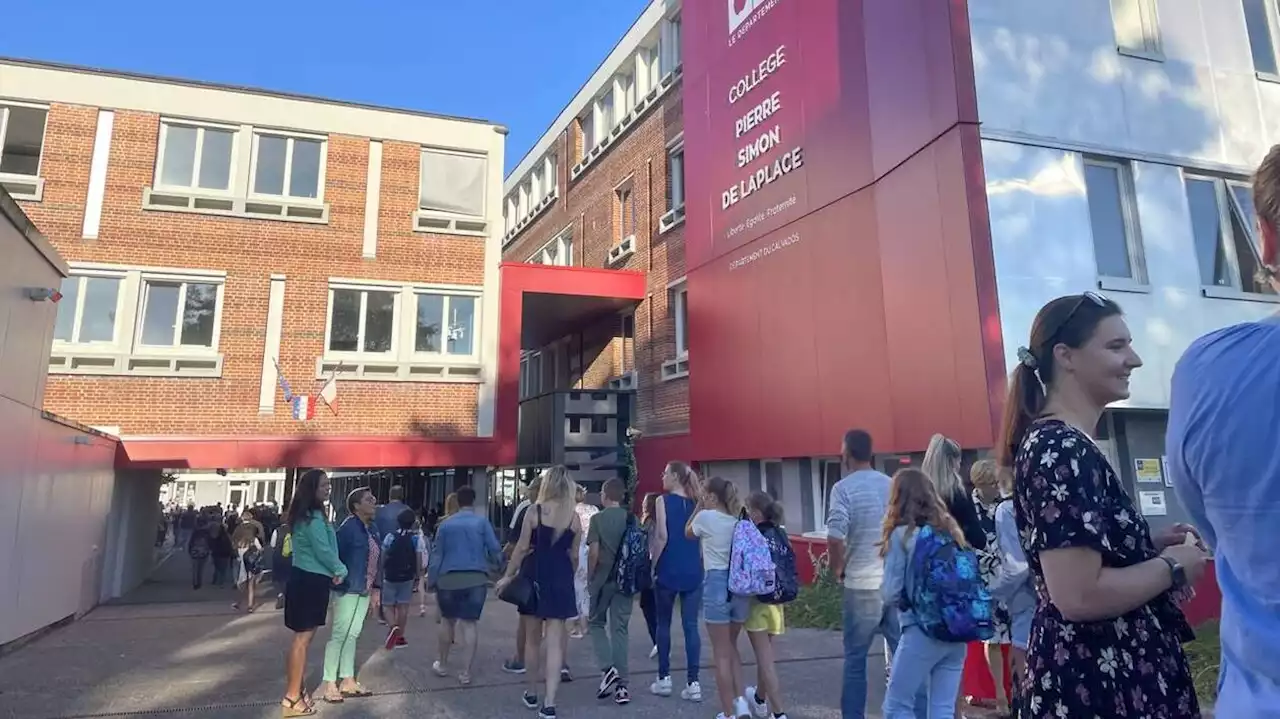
751 568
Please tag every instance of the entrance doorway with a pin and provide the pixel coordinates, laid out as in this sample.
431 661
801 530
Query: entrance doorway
237 494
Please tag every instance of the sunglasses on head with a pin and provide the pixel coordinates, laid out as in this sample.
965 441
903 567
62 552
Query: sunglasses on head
1089 296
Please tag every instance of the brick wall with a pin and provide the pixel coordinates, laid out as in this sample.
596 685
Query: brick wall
590 205
250 251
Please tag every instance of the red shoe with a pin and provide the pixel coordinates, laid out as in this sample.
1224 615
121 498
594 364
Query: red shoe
401 642
393 638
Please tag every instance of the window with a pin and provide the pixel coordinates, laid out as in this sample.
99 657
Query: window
831 472
626 211
288 166
1117 243
549 179
773 478
1260 21
530 375
1137 26
431 330
627 332
402 332
670 41
178 314
88 310
138 321
454 183
361 321
1222 223
675 177
588 125
680 307
195 157
556 252
21 139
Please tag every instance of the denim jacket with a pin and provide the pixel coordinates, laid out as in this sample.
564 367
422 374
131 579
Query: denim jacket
896 579
353 551
465 542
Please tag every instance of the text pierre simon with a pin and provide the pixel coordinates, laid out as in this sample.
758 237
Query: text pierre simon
764 142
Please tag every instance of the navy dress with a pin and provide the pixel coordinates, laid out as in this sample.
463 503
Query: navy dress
1129 667
552 569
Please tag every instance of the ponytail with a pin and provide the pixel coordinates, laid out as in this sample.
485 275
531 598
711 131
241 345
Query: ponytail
1024 403
769 508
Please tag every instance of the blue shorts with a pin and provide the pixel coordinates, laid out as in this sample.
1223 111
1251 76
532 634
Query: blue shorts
1020 628
718 606
462 604
396 593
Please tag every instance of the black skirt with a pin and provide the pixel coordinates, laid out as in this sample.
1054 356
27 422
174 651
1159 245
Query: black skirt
306 600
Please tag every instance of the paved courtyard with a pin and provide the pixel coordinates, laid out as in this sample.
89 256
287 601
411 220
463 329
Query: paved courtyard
166 649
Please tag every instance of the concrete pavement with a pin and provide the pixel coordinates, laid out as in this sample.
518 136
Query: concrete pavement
169 650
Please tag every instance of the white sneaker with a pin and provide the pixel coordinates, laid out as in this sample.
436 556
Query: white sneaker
653 652
692 692
740 708
759 710
661 686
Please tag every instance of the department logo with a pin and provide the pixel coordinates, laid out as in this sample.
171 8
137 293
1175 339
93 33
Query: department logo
740 11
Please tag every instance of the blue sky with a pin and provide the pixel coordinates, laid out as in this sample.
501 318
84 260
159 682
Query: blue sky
513 62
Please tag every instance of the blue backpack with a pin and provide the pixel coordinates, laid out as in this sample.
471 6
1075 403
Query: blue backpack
947 594
787 584
632 567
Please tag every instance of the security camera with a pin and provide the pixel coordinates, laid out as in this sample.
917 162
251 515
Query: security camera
43 294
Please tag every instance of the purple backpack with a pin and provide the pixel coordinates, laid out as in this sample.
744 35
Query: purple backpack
751 568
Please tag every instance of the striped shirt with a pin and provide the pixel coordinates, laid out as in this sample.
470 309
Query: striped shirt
856 515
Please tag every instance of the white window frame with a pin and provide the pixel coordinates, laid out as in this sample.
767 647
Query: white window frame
5 104
403 362
550 181
397 314
562 243
587 123
484 194
672 29
1134 245
1152 47
177 348
117 342
444 355
127 353
676 177
289 137
625 195
1273 32
680 301
200 127
1228 204
822 497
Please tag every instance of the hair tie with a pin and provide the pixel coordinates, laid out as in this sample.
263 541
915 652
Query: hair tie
1027 359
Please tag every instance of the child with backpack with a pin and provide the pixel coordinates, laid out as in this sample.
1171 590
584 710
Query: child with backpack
611 587
715 523
932 575
765 618
401 567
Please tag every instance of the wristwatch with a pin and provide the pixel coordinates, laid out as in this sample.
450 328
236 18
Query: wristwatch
1177 571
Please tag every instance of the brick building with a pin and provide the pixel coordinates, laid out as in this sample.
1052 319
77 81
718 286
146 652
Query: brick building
212 231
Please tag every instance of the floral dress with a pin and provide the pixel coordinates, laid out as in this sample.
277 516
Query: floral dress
989 565
1067 495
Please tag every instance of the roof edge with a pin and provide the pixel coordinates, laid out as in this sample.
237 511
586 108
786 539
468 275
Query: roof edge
11 210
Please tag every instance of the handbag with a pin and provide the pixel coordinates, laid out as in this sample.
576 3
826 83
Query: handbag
522 590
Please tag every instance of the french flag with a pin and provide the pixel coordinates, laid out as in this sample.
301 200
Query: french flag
303 407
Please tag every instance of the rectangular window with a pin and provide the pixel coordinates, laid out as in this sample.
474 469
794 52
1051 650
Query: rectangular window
628 340
626 211
445 320
1113 216
288 166
21 139
195 157
550 181
454 183
178 314
773 478
362 321
675 178
1137 26
671 52
679 295
1260 21
1222 223
588 124
89 311
558 252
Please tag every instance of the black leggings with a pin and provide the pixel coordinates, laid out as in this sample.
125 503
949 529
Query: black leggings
197 570
649 607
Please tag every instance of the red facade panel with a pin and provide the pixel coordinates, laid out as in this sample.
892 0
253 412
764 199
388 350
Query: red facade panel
840 272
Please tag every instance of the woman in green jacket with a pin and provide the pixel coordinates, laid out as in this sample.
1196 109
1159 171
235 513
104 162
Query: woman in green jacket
316 568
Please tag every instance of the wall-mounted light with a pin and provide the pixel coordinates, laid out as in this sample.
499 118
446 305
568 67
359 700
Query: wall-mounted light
43 294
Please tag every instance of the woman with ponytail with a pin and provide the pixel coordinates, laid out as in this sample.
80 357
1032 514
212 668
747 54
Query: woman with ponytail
1107 631
677 562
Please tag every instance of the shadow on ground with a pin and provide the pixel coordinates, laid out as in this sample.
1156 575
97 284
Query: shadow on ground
167 649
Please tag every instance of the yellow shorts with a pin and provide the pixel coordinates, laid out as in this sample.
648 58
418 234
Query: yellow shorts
765 618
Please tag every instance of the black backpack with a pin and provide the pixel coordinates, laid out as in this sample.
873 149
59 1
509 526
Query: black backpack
787 584
402 559
631 567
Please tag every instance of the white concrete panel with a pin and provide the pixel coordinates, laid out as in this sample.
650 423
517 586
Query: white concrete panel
372 195
98 175
270 378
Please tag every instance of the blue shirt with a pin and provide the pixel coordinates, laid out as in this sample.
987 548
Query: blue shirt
387 518
1223 455
680 566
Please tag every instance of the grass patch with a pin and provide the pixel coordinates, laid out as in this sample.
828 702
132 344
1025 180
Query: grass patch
1204 655
821 605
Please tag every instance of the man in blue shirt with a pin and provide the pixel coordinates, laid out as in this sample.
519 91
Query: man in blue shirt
1223 452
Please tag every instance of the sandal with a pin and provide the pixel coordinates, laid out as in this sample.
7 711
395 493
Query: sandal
333 698
358 693
296 707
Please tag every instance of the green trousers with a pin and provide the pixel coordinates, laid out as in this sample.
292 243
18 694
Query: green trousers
609 620
349 613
